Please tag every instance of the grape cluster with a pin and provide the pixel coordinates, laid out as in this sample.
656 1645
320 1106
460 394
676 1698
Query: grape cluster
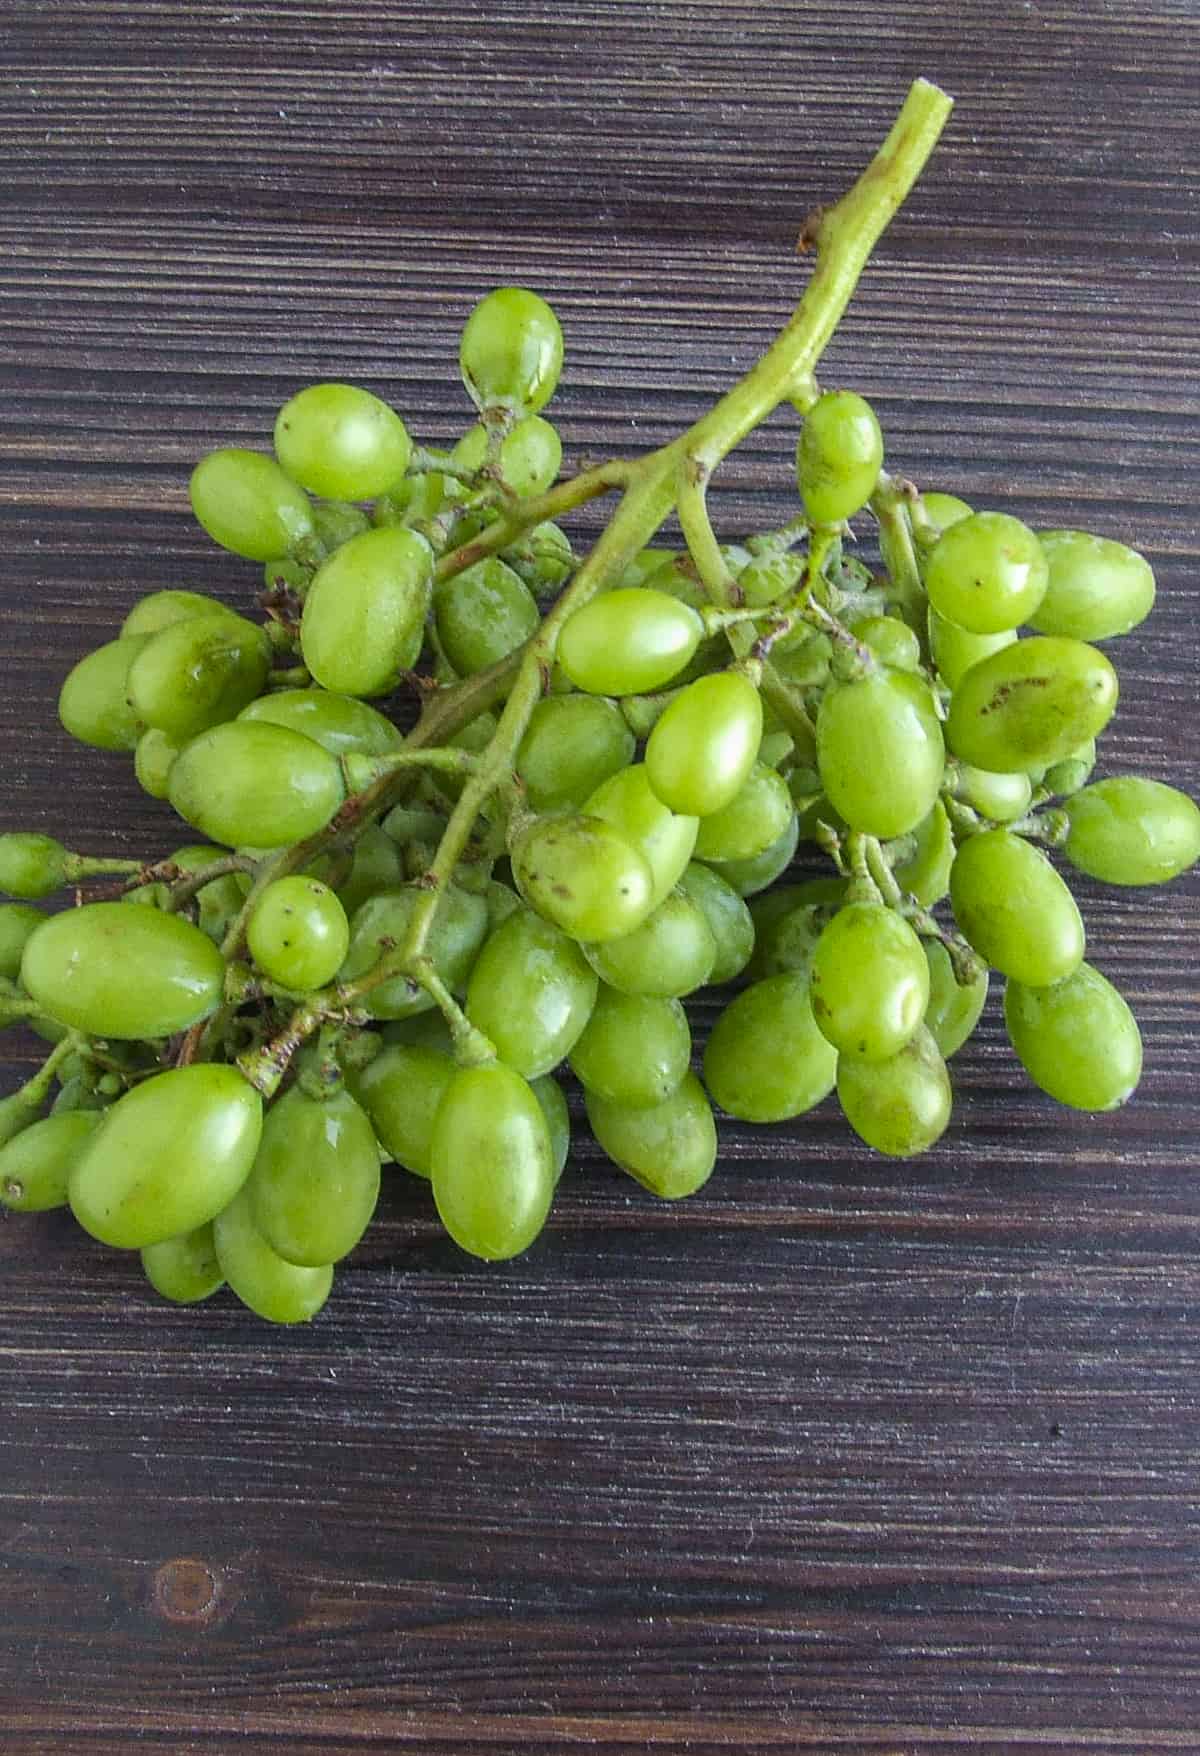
388 943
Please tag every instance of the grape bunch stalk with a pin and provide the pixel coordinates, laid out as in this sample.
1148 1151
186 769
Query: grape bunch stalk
379 945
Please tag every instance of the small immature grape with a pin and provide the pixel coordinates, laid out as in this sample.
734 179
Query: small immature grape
511 351
341 442
298 933
925 873
839 456
382 922
158 609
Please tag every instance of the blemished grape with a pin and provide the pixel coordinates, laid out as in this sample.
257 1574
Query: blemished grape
634 1049
511 351
342 442
986 573
364 617
572 744
315 1178
35 1166
280 1291
184 1269
1077 1039
663 837
122 972
483 614
766 1059
880 752
492 1162
628 642
869 981
1031 703
198 673
1096 588
839 456
700 753
670 1148
252 784
531 993
298 933
1015 910
249 505
670 954
584 875
1129 830
900 1106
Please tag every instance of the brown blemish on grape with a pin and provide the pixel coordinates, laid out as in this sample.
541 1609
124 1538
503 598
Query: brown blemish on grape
561 890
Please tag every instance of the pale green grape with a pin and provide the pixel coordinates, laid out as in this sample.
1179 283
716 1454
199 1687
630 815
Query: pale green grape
1128 830
670 1148
1077 1039
1013 907
869 981
766 1059
1097 588
900 1106
986 573
340 441
880 752
634 1049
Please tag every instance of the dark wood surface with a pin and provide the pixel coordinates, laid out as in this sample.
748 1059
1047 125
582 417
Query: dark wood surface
842 1454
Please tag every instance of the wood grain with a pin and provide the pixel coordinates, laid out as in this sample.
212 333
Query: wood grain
840 1455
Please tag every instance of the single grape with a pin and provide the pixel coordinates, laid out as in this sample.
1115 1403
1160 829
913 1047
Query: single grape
169 1155
869 981
788 922
699 755
483 614
93 704
336 521
198 673
665 838
184 1269
880 752
1013 907
1097 588
670 954
530 455
298 933
954 650
315 1179
953 1010
122 972
766 1060
1128 830
1002 797
531 993
670 1148
755 818
400 1090
363 622
925 873
1071 772
900 1106
1031 703
986 573
158 609
571 745
511 351
249 784
584 875
728 918
35 1166
748 877
943 510
153 759
634 1049
628 642
377 865
1076 1039
282 1292
382 923
339 723
17 921
249 505
492 1162
839 456
339 441
891 640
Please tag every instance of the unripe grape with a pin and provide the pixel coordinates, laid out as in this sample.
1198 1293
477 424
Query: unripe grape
986 573
339 723
1128 830
530 455
665 838
483 613
280 1291
954 1009
249 505
511 351
766 1059
728 918
954 650
634 1049
35 1166
531 992
670 954
839 456
184 1269
339 441
31 865
315 1178
572 744
93 703
869 981
1096 589
198 673
249 784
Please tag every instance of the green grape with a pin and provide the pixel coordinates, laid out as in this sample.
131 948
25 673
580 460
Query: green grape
986 573
775 749
943 510
729 921
199 673
954 650
531 993
153 758
712 654
501 902
1077 1039
219 901
492 1162
803 658
748 877
900 1106
839 456
634 1049
788 923
382 922
767 578
114 971
583 874
1013 907
546 558
336 522
167 1156
315 1179
400 1090
339 723
670 954
953 1010
92 703
1127 830
646 563
664 837
363 622
869 981
1072 772
282 1292
628 641
766 1060
1002 797
925 873
529 459
557 1118
1097 588
880 752
35 1165
249 505
17 921
891 640
249 784
376 866
17 1112
511 351
670 1148
482 614
158 609
1031 703
699 755
416 499
757 815
571 744
298 933
184 1269
341 442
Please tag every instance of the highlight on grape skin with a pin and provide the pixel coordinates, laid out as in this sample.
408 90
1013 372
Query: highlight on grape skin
484 807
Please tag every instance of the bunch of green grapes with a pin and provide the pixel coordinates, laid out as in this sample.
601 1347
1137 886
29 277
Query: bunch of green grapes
387 945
